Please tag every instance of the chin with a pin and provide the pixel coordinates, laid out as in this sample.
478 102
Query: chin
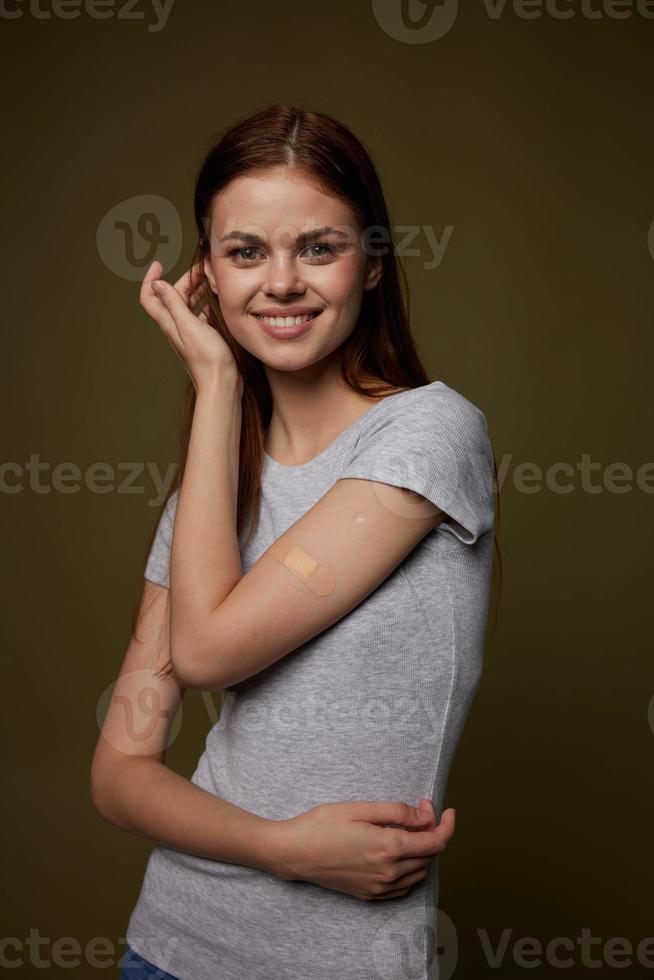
290 363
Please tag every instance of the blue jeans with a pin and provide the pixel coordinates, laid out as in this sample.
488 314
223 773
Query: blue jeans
134 967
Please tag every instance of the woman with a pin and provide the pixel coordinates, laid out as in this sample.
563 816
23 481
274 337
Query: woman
330 570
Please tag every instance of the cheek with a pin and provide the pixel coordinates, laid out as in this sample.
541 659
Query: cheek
229 286
340 282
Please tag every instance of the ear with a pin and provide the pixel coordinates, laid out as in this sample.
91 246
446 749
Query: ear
208 271
373 273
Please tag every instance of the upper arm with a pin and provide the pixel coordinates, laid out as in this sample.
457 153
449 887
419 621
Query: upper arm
143 702
426 462
340 551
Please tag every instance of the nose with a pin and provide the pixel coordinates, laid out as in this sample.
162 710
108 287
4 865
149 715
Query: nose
284 278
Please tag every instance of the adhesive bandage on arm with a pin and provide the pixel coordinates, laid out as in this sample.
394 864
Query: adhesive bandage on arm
319 579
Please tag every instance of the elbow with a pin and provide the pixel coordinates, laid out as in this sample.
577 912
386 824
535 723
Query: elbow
187 673
104 791
201 656
186 664
100 793
194 672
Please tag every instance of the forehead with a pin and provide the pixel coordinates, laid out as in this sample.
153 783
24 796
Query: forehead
262 203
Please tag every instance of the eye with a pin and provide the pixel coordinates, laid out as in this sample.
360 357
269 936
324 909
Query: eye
330 250
245 252
240 251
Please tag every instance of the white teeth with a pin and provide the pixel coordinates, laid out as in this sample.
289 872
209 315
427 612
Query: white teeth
286 321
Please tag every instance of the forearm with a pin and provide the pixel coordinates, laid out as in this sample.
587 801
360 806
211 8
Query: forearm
147 798
205 556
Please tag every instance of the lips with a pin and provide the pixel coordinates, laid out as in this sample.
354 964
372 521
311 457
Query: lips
278 311
286 332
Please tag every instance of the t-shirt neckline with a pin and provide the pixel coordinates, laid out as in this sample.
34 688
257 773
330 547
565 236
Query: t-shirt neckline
295 468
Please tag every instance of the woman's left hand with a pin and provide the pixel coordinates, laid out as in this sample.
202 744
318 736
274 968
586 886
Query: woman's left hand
202 350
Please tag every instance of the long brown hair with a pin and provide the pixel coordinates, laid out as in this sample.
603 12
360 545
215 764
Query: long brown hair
380 354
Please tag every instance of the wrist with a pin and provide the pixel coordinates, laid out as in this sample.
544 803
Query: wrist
222 382
276 853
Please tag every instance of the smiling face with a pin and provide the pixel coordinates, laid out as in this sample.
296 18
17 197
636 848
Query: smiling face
280 245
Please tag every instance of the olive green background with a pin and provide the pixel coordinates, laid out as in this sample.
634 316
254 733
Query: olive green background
532 138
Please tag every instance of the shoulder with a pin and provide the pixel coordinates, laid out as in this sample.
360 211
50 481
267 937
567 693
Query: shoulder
434 441
439 397
435 406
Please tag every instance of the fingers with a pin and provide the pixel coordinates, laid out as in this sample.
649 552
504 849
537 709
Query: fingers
429 842
406 866
401 886
389 812
413 818
172 306
199 296
448 822
153 305
172 309
403 881
192 285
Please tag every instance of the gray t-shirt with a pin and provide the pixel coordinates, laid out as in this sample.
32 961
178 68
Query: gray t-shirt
370 709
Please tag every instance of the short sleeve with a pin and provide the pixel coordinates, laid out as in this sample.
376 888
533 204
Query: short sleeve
157 568
434 441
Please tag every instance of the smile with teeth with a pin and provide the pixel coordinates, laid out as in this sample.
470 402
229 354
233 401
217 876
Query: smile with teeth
287 321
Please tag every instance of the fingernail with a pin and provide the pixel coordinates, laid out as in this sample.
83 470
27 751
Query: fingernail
158 286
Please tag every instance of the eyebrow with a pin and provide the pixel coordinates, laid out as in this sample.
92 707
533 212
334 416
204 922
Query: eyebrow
303 239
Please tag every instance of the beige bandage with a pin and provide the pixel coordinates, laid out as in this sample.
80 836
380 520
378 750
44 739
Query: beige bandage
320 580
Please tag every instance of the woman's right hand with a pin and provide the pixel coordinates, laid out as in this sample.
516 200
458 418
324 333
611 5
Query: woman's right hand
371 850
